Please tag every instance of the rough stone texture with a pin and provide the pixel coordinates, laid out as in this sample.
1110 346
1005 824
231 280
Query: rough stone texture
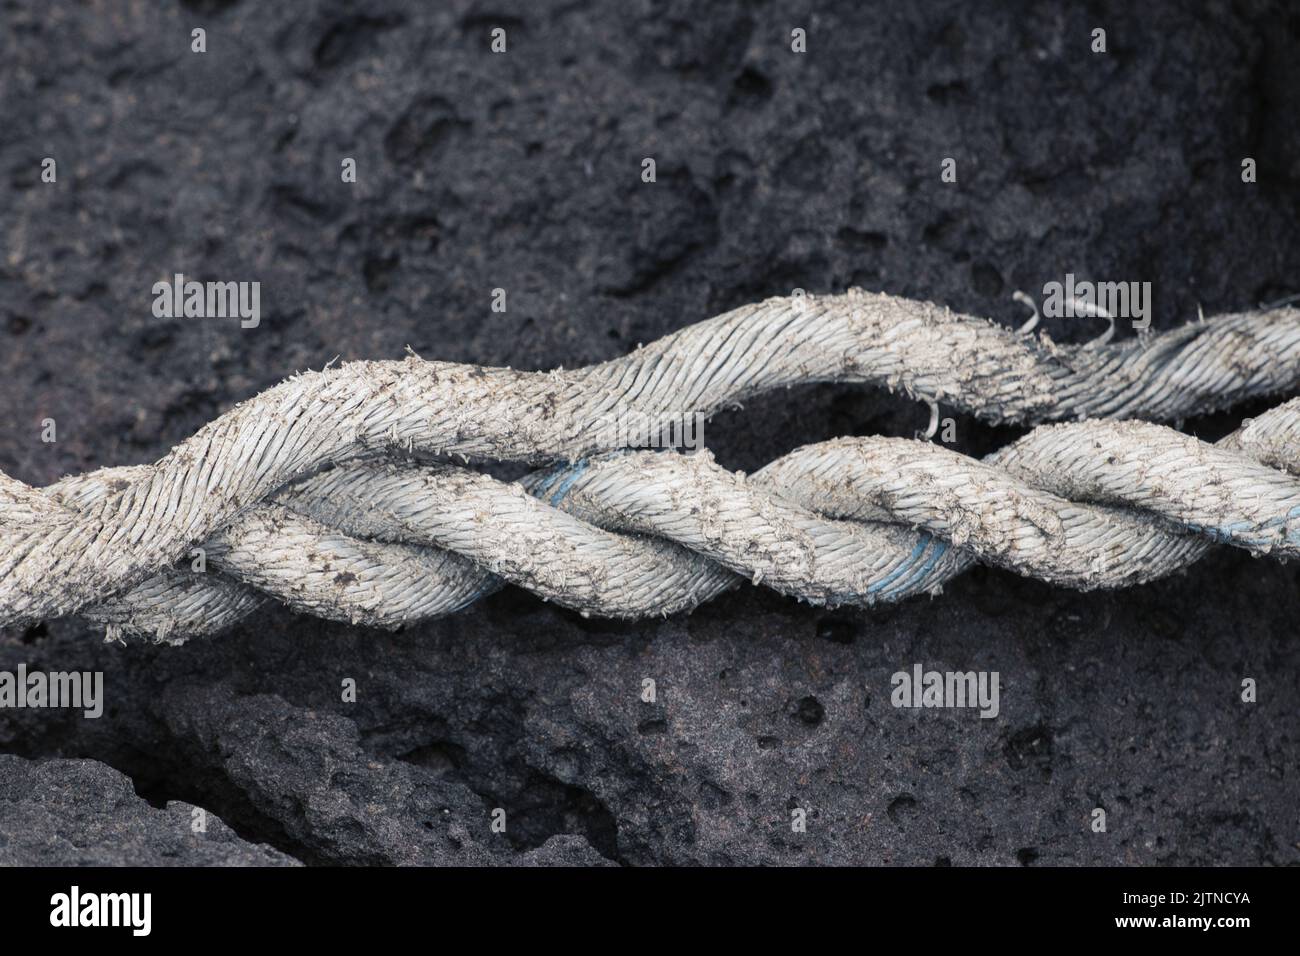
83 813
522 171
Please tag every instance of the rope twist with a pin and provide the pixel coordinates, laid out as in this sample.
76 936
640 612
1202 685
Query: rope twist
319 492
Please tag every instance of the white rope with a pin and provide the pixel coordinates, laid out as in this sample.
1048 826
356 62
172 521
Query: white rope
384 544
637 534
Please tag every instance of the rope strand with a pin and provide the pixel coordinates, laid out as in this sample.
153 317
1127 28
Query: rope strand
640 534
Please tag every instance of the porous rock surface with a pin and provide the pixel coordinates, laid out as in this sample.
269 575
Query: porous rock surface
522 171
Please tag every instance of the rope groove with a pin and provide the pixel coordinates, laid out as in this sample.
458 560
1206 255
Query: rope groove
630 534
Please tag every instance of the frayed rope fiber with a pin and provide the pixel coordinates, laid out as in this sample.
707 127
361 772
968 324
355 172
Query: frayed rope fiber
383 542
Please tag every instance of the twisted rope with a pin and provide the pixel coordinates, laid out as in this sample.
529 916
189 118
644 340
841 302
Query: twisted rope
635 534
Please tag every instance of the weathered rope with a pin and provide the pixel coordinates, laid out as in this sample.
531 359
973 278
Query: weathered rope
644 533
639 534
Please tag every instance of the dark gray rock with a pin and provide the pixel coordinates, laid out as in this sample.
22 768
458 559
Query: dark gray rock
567 850
522 171
83 813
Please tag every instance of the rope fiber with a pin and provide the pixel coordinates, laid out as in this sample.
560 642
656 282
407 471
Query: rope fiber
316 492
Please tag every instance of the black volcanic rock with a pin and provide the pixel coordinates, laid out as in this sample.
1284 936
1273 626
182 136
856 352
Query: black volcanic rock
522 171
